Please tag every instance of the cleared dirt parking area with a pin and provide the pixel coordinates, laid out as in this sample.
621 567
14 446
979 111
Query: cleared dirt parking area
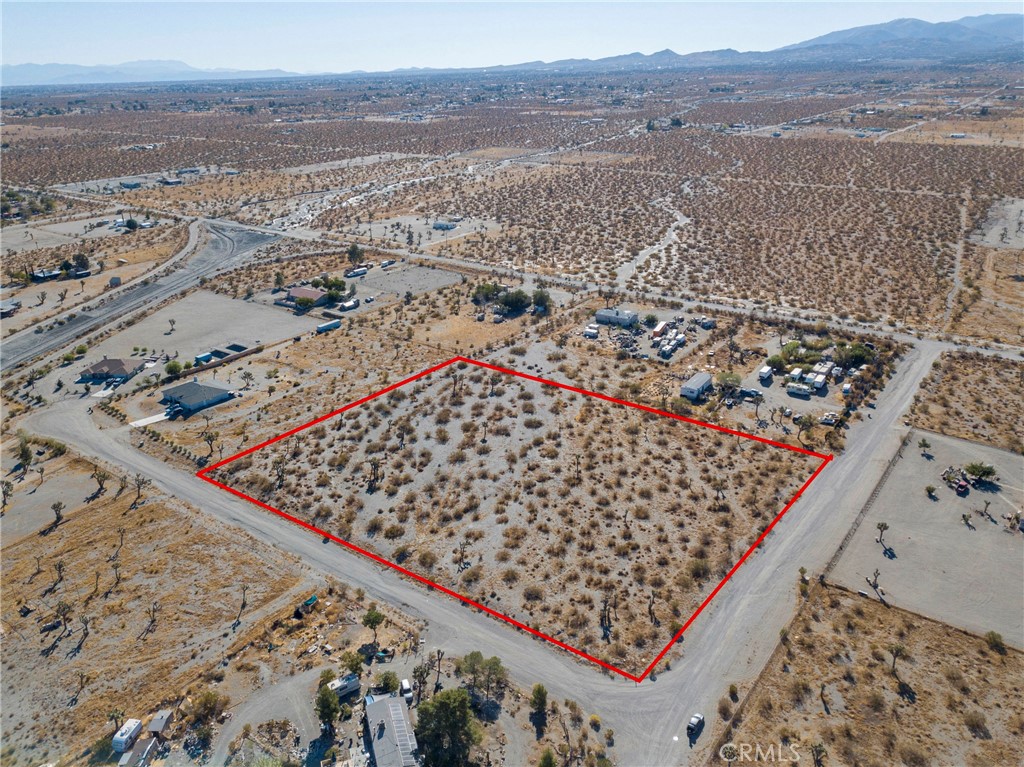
203 321
938 566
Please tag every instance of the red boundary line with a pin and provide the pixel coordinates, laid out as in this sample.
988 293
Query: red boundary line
202 474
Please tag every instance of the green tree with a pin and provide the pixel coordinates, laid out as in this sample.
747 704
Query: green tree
327 707
980 470
279 280
373 619
514 301
446 729
355 253
726 378
386 681
547 759
650 320
542 299
172 368
131 224
304 303
539 700
351 662
326 677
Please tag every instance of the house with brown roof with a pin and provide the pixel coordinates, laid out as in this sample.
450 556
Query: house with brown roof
318 297
106 369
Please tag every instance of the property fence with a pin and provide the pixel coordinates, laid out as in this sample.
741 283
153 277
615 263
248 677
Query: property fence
867 507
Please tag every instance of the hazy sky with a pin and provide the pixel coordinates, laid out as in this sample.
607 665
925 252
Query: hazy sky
340 37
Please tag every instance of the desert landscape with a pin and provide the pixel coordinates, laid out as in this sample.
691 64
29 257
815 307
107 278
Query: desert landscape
658 409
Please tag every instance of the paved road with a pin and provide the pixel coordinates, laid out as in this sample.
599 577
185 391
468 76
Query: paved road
227 248
728 643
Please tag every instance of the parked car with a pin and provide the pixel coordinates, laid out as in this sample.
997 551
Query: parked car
695 725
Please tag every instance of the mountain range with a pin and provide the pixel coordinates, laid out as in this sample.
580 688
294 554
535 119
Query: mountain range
992 36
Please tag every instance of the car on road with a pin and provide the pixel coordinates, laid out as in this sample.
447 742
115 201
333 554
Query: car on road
695 725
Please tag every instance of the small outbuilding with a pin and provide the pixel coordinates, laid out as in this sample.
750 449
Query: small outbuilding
698 386
160 722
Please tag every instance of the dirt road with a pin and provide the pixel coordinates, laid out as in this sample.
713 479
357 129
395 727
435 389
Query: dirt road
226 248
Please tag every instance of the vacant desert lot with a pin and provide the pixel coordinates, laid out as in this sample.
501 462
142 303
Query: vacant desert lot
147 614
952 699
598 522
936 564
967 395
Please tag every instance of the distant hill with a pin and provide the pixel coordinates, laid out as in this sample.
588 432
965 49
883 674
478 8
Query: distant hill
129 72
973 32
992 36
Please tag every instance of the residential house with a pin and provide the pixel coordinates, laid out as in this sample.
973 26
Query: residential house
106 369
193 396
621 317
390 737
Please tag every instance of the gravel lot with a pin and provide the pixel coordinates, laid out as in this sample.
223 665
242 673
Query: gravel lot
203 321
939 567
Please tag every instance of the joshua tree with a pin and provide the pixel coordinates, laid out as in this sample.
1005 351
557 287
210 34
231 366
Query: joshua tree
116 716
101 478
376 474
897 651
818 754
209 438
58 512
247 378
245 590
924 445
882 527
41 471
61 295
141 483
63 611
279 471
7 487
420 674
122 484
440 657
117 574
59 567
172 324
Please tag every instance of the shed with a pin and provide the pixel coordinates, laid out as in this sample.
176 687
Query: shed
698 385
160 722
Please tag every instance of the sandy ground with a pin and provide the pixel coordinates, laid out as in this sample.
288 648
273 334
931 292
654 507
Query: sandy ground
832 683
939 567
1003 226
49 710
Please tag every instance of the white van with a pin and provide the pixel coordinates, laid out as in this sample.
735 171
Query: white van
406 691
